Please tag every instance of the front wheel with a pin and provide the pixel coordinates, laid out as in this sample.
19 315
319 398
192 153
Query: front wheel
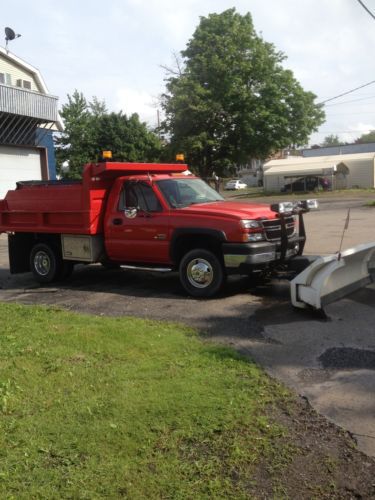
201 273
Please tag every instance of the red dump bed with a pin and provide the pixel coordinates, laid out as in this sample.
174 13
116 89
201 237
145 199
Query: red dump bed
68 207
52 208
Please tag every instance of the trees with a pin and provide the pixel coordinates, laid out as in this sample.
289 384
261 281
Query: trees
232 99
76 144
90 129
369 137
332 140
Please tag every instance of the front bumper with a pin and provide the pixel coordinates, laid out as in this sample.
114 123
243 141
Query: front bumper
239 256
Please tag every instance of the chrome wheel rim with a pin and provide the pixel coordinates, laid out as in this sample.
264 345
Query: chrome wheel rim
42 263
200 273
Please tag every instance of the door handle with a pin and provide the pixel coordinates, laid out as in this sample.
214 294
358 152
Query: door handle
117 222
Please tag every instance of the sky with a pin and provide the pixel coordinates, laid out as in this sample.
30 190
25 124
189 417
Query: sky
115 50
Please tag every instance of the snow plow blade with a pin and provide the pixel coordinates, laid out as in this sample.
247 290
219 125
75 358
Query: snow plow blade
332 277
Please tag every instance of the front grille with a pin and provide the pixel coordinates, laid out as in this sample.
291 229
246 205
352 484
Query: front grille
272 228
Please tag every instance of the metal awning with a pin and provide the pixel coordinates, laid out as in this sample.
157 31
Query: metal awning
300 170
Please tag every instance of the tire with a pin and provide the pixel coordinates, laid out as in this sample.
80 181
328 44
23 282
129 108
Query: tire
201 273
45 263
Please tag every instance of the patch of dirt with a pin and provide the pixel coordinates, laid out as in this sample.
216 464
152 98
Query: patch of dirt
324 462
315 375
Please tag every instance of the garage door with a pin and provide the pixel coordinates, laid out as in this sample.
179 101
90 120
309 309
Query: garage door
17 164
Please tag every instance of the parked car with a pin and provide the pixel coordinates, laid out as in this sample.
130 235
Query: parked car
309 183
235 184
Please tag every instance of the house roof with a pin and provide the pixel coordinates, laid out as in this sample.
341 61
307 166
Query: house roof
36 74
295 170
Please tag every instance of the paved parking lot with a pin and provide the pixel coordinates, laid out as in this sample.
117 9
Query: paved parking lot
330 361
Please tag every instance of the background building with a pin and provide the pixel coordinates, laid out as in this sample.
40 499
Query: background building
28 117
346 149
341 171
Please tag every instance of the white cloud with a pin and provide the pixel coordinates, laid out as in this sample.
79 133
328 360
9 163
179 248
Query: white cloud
136 101
358 129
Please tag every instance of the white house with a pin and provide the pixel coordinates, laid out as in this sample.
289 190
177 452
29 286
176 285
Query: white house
28 116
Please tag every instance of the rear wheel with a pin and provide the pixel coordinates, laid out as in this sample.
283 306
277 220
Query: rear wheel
201 273
45 263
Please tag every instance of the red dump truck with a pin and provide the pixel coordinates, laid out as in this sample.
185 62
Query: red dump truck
155 217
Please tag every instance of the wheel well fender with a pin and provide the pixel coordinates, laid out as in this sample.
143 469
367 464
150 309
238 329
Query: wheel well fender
186 239
20 246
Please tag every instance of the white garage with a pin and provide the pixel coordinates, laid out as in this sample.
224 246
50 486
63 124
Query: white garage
343 171
18 164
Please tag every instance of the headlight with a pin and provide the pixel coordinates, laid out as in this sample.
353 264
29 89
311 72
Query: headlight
255 237
251 224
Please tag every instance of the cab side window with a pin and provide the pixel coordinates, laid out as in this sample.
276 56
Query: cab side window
139 195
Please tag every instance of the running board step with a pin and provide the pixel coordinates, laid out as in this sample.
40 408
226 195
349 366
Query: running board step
152 269
332 277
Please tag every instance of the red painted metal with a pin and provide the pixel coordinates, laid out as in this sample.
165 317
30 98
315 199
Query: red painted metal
70 208
91 207
105 169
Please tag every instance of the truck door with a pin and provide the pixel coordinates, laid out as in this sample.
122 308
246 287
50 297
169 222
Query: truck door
144 238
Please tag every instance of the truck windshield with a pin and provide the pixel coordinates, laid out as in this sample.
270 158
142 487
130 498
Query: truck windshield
181 193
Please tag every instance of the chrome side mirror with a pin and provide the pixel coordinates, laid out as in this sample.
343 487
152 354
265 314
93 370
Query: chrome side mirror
131 212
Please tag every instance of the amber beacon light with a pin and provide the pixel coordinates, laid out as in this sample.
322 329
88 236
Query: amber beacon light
107 155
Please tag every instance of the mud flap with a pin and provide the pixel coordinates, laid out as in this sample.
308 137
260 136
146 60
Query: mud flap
332 277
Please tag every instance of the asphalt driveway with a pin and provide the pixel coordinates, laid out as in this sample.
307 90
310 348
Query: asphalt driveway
331 361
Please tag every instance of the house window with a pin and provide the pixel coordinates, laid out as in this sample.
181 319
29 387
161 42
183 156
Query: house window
26 84
2 78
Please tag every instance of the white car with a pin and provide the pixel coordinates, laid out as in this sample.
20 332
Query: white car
235 184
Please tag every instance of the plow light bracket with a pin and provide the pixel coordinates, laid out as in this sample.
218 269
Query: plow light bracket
295 207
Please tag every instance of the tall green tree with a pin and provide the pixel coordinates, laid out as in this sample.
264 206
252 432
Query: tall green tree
232 99
76 145
90 129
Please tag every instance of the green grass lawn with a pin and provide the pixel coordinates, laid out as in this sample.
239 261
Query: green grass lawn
94 407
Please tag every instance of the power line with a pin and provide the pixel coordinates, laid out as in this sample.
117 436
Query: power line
352 113
348 92
362 86
366 8
365 131
352 100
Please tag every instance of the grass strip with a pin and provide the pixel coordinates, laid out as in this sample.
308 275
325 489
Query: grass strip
94 407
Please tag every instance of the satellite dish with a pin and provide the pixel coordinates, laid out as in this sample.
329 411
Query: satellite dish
10 35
